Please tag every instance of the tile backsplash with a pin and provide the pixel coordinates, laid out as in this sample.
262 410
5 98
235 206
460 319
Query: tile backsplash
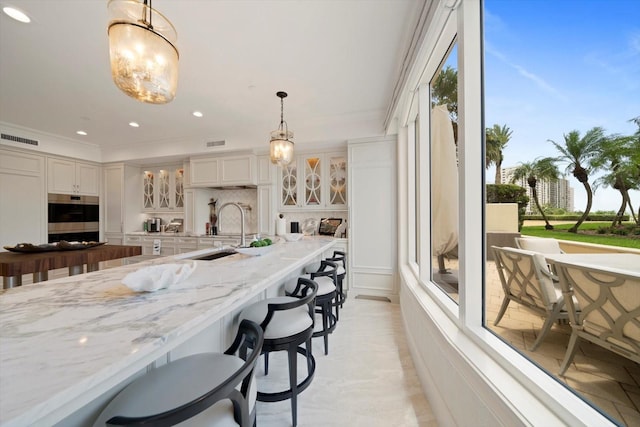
229 221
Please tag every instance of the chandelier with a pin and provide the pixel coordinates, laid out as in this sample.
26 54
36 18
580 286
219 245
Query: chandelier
281 139
142 48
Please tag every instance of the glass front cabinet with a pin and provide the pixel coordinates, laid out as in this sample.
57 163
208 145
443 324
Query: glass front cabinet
315 181
163 189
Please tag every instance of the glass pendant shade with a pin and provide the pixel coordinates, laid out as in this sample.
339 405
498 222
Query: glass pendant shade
144 59
281 146
281 151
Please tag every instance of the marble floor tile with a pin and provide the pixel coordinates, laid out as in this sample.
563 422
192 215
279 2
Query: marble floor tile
367 379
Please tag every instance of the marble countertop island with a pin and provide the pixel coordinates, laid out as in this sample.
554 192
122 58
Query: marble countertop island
65 342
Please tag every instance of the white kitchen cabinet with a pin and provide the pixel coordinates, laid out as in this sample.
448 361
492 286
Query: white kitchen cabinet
185 244
223 171
113 238
316 181
163 189
72 177
205 242
372 247
23 210
238 170
167 243
267 196
267 171
267 209
120 201
204 172
197 209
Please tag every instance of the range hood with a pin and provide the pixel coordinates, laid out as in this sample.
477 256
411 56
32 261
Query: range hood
235 187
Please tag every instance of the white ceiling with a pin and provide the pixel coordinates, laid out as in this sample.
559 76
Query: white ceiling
338 60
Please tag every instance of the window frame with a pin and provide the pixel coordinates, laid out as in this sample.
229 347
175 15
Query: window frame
462 20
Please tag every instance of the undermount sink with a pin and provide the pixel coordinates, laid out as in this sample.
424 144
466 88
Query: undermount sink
215 255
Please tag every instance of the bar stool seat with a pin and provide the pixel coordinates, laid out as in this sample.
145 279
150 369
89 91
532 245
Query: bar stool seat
212 389
287 323
340 258
325 276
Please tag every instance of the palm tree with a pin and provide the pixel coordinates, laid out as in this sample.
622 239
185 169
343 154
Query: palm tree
445 91
635 159
497 139
544 168
579 153
615 157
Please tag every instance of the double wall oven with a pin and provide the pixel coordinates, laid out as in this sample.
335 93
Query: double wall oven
73 218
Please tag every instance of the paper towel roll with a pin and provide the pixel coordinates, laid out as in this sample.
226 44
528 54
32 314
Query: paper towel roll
281 226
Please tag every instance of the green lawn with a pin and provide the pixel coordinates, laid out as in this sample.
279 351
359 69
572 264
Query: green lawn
560 232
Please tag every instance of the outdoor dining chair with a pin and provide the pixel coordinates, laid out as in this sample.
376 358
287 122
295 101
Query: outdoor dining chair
610 315
539 244
526 280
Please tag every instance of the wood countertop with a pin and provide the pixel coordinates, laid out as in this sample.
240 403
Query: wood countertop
16 264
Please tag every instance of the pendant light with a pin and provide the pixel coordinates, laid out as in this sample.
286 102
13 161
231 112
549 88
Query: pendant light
281 139
142 47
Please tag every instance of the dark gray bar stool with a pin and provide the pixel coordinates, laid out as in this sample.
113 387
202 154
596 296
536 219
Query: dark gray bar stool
288 323
197 390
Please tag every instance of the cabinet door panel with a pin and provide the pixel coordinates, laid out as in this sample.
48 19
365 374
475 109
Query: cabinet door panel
204 172
290 185
337 180
22 212
238 171
312 181
113 200
265 170
266 217
148 190
178 192
61 176
87 179
164 189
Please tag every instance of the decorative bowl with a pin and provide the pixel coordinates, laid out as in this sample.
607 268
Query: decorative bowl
255 251
309 226
292 237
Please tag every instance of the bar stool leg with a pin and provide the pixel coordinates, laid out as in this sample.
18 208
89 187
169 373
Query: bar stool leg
293 382
326 307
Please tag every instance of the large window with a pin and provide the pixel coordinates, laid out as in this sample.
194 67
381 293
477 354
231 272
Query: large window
549 71
558 74
443 169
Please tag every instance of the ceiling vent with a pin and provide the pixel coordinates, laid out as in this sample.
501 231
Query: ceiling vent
19 139
215 143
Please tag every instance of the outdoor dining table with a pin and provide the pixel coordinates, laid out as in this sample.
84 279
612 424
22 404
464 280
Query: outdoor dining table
625 263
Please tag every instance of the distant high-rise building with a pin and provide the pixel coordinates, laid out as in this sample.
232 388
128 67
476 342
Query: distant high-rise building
557 193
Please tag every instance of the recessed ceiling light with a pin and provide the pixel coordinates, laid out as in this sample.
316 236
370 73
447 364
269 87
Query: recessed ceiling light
16 14
81 132
197 114
134 125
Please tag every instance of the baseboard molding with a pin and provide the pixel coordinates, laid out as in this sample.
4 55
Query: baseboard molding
373 297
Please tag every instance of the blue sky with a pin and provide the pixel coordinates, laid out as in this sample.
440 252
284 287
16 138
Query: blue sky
553 66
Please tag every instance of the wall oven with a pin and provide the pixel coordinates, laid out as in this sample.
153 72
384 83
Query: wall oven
73 218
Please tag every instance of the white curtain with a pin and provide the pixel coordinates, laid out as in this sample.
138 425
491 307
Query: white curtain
444 182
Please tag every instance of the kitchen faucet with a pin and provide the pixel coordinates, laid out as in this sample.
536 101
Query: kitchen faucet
242 236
